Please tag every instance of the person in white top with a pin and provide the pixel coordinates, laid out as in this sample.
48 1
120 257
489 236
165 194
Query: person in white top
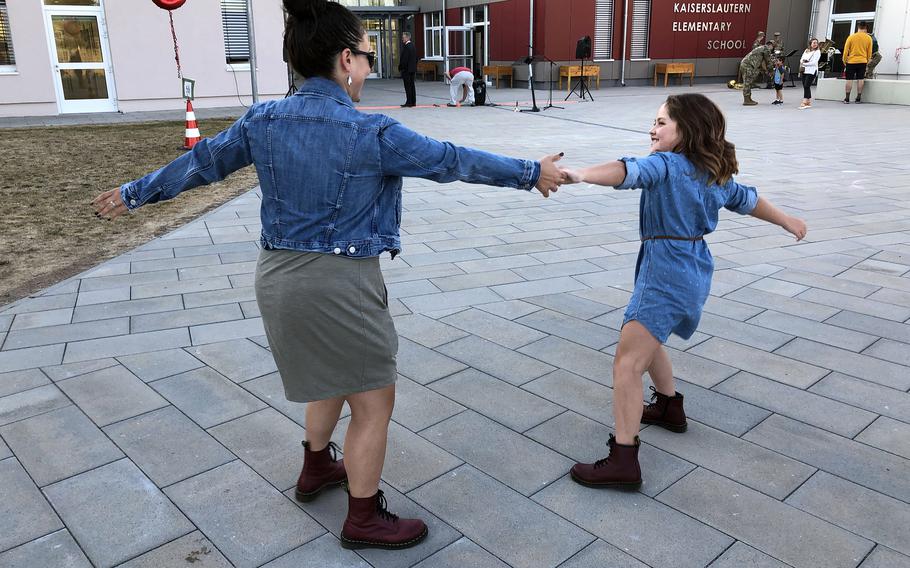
809 63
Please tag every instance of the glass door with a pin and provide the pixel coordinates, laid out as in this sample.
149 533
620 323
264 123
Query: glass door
376 46
80 58
458 47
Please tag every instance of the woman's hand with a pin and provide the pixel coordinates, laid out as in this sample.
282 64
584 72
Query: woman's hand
551 176
573 176
109 205
795 226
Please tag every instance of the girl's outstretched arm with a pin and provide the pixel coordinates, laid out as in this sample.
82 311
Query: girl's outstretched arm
609 173
766 211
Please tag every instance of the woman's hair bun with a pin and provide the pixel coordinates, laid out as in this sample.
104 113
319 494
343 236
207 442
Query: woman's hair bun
306 9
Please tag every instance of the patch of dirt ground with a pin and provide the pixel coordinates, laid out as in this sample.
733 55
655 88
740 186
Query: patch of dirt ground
49 176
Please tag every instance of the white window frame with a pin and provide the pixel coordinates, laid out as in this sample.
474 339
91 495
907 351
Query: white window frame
236 33
603 30
4 22
641 30
432 30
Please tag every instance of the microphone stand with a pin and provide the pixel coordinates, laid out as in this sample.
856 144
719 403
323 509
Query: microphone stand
534 107
550 99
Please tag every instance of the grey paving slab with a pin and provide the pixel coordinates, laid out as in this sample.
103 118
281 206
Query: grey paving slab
495 360
599 553
578 394
331 508
115 512
889 350
58 444
215 332
30 403
410 460
426 331
424 365
496 399
175 288
523 533
871 467
847 362
154 365
578 359
527 466
42 319
796 403
19 359
854 304
718 411
746 333
860 510
111 395
570 328
57 549
216 297
883 557
167 445
771 365
207 397
889 435
41 304
268 442
752 465
417 407
65 333
821 332
636 524
741 554
239 360
247 519
777 529
270 390
494 328
126 345
70 370
571 305
539 287
6 321
116 309
103 296
4 450
455 299
323 552
18 381
186 318
462 552
193 550
863 394
25 514
766 299
171 263
510 309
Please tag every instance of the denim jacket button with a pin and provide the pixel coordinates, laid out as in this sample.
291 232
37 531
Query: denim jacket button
337 250
352 249
132 201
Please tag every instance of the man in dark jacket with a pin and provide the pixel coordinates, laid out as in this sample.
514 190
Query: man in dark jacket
407 65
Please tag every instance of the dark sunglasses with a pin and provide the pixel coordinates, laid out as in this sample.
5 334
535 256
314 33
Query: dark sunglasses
370 55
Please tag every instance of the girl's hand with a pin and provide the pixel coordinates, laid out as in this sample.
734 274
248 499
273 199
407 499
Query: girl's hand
108 205
572 176
796 226
551 176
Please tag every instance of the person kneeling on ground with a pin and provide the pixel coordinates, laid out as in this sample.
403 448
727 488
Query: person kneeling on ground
462 83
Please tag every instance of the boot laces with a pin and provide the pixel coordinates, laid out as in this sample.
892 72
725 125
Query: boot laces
655 401
604 461
382 508
333 451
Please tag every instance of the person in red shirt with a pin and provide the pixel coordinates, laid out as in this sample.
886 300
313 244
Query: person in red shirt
461 79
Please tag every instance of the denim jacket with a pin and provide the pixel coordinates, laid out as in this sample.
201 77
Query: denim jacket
330 175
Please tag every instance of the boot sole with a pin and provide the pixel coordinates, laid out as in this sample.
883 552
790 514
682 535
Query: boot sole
358 544
679 429
624 485
307 497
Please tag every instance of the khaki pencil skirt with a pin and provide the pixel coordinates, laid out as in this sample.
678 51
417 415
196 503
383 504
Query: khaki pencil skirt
328 323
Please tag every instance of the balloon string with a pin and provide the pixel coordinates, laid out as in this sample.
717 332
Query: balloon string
170 15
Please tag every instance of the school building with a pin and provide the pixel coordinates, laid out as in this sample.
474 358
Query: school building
74 56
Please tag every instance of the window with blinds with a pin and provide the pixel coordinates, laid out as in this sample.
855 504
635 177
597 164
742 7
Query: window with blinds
603 30
236 28
641 23
7 57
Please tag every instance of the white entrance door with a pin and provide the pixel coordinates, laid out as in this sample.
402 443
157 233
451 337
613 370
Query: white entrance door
80 58
376 46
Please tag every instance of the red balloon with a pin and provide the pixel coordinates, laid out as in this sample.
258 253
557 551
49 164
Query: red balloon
169 4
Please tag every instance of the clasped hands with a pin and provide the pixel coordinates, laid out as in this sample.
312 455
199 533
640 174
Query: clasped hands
553 176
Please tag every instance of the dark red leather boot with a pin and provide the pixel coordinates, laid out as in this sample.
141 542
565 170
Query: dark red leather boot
665 411
370 525
619 469
320 470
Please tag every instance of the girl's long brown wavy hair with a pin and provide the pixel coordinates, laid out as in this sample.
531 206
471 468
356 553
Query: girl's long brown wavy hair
702 130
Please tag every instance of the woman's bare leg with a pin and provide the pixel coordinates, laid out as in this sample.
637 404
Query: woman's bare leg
321 418
634 355
365 443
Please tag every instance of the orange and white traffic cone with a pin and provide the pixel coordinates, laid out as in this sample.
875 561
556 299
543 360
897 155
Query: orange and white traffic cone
192 129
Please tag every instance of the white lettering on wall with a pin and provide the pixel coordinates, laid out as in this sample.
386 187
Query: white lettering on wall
711 8
724 44
702 26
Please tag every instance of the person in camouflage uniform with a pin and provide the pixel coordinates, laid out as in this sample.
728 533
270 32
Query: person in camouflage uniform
759 40
757 61
874 60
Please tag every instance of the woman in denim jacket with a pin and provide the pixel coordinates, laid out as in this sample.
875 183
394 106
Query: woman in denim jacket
331 204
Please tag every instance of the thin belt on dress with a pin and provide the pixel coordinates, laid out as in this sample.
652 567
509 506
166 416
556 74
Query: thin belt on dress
665 237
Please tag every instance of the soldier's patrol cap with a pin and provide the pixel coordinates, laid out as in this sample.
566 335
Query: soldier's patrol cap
777 33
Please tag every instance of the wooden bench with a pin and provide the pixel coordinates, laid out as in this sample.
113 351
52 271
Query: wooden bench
424 67
674 68
497 71
570 71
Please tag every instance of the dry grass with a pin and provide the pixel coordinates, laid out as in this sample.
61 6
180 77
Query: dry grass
48 178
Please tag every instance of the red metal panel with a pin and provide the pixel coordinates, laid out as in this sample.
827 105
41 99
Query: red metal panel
509 22
714 29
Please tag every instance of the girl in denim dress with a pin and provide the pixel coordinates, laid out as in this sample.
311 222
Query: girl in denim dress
686 180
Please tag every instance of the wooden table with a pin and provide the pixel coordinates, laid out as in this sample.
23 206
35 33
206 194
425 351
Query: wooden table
424 67
569 71
497 71
674 68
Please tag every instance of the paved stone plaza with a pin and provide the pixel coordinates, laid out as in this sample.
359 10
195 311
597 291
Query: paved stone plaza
143 422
